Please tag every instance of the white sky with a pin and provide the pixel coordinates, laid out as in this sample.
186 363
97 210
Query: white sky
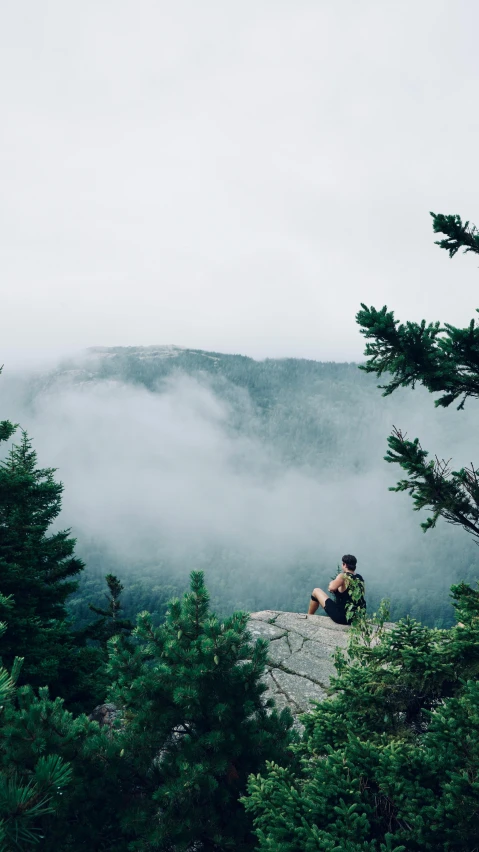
234 175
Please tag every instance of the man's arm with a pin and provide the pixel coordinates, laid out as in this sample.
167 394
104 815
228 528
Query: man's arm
335 584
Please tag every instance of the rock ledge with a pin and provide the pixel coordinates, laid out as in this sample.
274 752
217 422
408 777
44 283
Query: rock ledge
300 656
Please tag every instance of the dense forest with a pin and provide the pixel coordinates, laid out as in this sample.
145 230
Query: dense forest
187 755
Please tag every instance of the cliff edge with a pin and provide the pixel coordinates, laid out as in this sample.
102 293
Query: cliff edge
300 656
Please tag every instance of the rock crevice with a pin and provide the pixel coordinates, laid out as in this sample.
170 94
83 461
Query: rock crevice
300 663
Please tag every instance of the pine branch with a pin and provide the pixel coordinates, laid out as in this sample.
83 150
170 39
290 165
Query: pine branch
443 358
458 235
452 495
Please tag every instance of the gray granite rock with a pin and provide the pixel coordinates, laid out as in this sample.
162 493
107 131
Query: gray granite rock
300 660
300 656
106 715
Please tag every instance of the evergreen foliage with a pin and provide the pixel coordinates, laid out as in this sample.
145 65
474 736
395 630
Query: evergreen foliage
38 572
196 723
458 234
58 774
193 723
110 623
36 568
390 762
444 359
31 778
450 494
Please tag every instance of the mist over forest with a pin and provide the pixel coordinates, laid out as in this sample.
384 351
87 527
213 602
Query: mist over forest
260 473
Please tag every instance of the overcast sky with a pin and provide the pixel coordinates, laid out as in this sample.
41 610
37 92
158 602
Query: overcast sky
234 175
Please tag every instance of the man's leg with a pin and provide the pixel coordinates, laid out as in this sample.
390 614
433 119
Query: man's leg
317 598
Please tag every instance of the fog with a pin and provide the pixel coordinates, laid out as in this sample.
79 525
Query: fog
167 477
173 171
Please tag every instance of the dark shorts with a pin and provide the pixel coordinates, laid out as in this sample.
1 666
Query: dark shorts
335 612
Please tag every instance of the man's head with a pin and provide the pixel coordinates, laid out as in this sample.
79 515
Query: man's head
350 561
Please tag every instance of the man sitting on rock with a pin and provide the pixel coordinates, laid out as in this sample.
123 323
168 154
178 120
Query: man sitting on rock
348 588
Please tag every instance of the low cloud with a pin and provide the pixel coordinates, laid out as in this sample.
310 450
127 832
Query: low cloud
165 476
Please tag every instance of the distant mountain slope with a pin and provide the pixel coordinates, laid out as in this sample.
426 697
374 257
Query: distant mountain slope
311 411
261 472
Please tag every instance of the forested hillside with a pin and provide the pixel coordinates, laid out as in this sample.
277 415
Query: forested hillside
261 473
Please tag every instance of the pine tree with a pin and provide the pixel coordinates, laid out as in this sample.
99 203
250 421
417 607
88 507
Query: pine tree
110 623
196 723
37 572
